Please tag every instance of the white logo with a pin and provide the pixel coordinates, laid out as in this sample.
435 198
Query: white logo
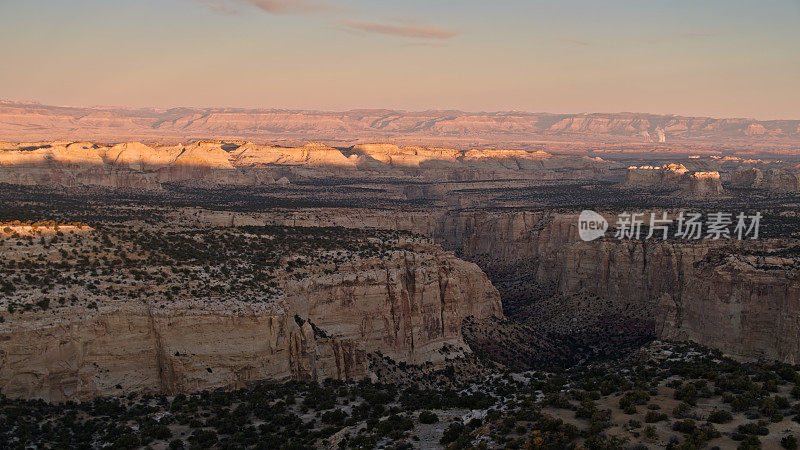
591 225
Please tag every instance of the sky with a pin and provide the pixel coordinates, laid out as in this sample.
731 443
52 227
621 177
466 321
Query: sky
719 58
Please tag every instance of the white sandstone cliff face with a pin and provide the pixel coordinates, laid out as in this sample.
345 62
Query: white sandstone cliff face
703 184
139 166
675 176
669 175
407 307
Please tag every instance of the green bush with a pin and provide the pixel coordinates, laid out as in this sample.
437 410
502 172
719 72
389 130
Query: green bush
428 417
720 416
750 443
653 417
681 410
752 429
451 433
684 426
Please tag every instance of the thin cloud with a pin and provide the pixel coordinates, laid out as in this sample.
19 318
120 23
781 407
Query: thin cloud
573 41
291 6
406 30
272 6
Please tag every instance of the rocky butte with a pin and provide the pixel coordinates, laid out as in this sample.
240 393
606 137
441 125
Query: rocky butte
320 310
775 180
139 166
675 176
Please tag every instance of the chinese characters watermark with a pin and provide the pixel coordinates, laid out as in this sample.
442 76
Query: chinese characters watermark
687 225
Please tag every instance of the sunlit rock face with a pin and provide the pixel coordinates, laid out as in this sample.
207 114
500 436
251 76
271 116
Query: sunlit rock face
140 166
668 175
704 184
675 176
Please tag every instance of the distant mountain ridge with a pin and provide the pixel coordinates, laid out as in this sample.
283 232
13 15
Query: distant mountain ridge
31 122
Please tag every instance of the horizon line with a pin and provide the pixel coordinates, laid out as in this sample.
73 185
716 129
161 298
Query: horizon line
400 110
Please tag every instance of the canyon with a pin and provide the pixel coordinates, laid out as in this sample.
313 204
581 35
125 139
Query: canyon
465 251
742 297
407 305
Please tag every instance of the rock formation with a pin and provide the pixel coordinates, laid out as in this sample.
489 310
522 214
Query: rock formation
739 296
775 180
139 166
668 175
703 184
718 293
408 306
41 122
675 176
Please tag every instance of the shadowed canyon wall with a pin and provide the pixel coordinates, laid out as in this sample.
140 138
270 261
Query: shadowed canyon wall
741 297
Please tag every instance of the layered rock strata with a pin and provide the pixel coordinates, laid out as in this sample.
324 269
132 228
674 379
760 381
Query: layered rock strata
408 306
139 166
742 297
675 176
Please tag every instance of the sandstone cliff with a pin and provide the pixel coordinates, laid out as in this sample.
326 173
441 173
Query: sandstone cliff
741 297
775 180
407 304
139 166
675 176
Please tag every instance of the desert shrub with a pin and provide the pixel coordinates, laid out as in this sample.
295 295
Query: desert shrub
633 398
750 443
653 417
451 433
393 424
752 429
684 426
687 393
203 438
556 400
336 417
720 416
428 417
681 410
586 409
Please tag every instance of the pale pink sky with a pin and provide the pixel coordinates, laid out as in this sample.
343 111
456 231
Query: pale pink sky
713 57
